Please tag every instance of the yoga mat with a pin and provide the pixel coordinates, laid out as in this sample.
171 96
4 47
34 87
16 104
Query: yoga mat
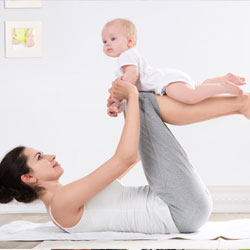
29 231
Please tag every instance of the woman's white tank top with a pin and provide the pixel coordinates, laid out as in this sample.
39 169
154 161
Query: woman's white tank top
124 209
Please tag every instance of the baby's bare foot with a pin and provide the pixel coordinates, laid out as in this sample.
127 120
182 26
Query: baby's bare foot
231 88
246 107
235 79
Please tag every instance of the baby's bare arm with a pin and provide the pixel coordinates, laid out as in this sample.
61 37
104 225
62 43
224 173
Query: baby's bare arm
131 73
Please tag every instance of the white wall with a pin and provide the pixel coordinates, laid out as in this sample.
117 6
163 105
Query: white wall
57 103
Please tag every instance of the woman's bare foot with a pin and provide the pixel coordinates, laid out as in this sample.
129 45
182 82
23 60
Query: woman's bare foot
235 79
231 88
245 110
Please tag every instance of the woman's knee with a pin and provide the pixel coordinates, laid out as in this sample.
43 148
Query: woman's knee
194 216
200 216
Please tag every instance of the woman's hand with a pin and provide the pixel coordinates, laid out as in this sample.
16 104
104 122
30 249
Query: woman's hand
110 100
122 89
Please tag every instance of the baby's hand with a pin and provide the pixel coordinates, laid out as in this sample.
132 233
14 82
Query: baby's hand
113 110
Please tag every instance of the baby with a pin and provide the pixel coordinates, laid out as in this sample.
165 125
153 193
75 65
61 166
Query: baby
119 40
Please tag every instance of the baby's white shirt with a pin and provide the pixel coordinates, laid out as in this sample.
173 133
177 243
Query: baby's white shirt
150 79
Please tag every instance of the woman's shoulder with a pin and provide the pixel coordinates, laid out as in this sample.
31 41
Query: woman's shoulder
62 212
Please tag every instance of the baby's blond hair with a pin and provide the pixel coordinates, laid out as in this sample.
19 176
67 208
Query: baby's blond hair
128 27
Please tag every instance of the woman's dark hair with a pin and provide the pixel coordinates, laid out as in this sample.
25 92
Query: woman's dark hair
12 167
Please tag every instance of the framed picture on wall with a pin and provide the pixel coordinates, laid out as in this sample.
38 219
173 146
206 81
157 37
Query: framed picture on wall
23 3
23 39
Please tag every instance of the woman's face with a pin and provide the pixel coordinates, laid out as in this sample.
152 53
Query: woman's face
44 167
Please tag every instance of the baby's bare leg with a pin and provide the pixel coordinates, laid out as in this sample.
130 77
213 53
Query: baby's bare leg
183 92
229 77
177 113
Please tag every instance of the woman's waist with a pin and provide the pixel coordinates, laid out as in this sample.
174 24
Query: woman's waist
124 220
143 211
136 209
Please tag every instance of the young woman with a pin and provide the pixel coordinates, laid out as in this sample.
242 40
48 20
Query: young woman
175 200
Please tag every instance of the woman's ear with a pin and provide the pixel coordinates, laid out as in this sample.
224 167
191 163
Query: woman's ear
28 179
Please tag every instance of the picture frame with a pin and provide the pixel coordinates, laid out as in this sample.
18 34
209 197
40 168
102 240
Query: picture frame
23 3
23 39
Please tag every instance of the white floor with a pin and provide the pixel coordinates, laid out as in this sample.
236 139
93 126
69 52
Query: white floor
147 244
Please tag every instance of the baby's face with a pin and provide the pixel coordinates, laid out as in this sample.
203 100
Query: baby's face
114 40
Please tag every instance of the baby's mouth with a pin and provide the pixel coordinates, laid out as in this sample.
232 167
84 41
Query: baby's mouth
56 164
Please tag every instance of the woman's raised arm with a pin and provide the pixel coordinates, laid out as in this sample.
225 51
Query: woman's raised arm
67 204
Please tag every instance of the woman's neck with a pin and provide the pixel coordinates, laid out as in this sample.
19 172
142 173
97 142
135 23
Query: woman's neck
51 188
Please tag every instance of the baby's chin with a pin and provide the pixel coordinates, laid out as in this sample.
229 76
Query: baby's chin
112 54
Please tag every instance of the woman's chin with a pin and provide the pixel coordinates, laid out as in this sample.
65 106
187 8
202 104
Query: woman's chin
61 172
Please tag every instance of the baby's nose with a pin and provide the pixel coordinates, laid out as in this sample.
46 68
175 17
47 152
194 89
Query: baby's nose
52 157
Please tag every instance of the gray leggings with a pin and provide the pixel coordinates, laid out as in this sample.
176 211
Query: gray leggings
168 171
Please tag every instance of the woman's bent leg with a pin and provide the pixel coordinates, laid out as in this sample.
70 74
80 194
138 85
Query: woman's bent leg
177 113
168 171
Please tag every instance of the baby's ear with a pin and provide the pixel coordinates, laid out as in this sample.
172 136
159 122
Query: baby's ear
131 42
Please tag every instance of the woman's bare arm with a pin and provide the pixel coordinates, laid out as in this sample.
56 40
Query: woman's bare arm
67 205
137 158
127 170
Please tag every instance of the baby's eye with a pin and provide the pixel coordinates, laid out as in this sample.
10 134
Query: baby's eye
113 39
39 157
104 41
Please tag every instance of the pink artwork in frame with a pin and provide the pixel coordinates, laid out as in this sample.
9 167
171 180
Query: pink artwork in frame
23 39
